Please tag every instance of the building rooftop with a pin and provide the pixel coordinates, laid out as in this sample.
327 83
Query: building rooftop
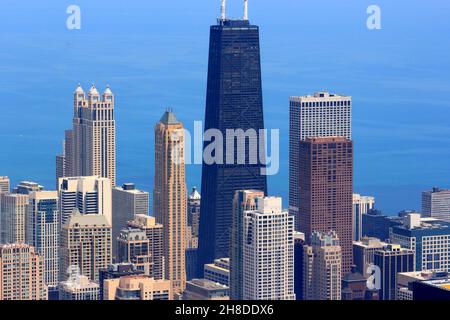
207 284
130 188
169 118
327 139
318 96
81 220
195 195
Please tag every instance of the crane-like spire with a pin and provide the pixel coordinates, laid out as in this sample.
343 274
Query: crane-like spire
223 10
245 9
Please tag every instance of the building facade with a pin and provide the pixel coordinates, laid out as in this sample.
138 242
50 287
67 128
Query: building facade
154 233
361 205
170 197
194 203
5 185
268 253
133 246
392 260
21 273
127 201
429 239
203 289
322 267
234 102
364 253
376 224
326 191
137 288
244 200
436 204
79 288
88 195
13 214
86 244
116 271
90 147
219 271
43 233
319 115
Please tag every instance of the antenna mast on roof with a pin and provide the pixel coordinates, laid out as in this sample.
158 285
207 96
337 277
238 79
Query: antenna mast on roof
223 10
245 9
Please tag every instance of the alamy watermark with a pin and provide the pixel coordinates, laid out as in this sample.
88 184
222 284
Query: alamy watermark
228 147
73 22
374 19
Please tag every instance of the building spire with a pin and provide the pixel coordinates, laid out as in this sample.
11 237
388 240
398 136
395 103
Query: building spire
245 9
223 10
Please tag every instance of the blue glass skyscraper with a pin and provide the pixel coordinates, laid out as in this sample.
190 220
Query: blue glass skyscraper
234 101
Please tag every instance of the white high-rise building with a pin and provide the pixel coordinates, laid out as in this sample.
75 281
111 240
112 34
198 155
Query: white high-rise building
90 148
319 115
436 204
90 195
268 252
42 232
361 205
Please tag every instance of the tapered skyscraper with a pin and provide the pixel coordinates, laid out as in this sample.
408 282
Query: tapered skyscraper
234 101
170 197
90 147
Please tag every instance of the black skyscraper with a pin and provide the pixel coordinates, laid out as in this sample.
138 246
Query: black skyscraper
234 101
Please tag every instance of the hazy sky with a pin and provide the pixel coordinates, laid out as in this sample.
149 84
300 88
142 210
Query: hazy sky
154 54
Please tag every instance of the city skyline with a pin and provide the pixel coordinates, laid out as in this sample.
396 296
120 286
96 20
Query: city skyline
145 93
267 223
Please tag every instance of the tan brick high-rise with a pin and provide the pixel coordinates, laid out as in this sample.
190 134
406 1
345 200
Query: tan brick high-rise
90 147
170 196
326 191
86 244
21 273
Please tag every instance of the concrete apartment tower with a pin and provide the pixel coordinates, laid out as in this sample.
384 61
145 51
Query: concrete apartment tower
170 196
86 244
22 273
322 264
90 147
268 252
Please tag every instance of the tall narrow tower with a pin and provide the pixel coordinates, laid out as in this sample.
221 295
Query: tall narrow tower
90 148
170 196
234 101
326 191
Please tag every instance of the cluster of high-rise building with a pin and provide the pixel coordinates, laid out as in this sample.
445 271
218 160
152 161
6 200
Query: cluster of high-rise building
91 239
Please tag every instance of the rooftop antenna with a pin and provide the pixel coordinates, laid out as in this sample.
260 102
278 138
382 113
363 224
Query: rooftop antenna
223 10
245 9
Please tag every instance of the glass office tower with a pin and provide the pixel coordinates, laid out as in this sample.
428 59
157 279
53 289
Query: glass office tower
234 101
